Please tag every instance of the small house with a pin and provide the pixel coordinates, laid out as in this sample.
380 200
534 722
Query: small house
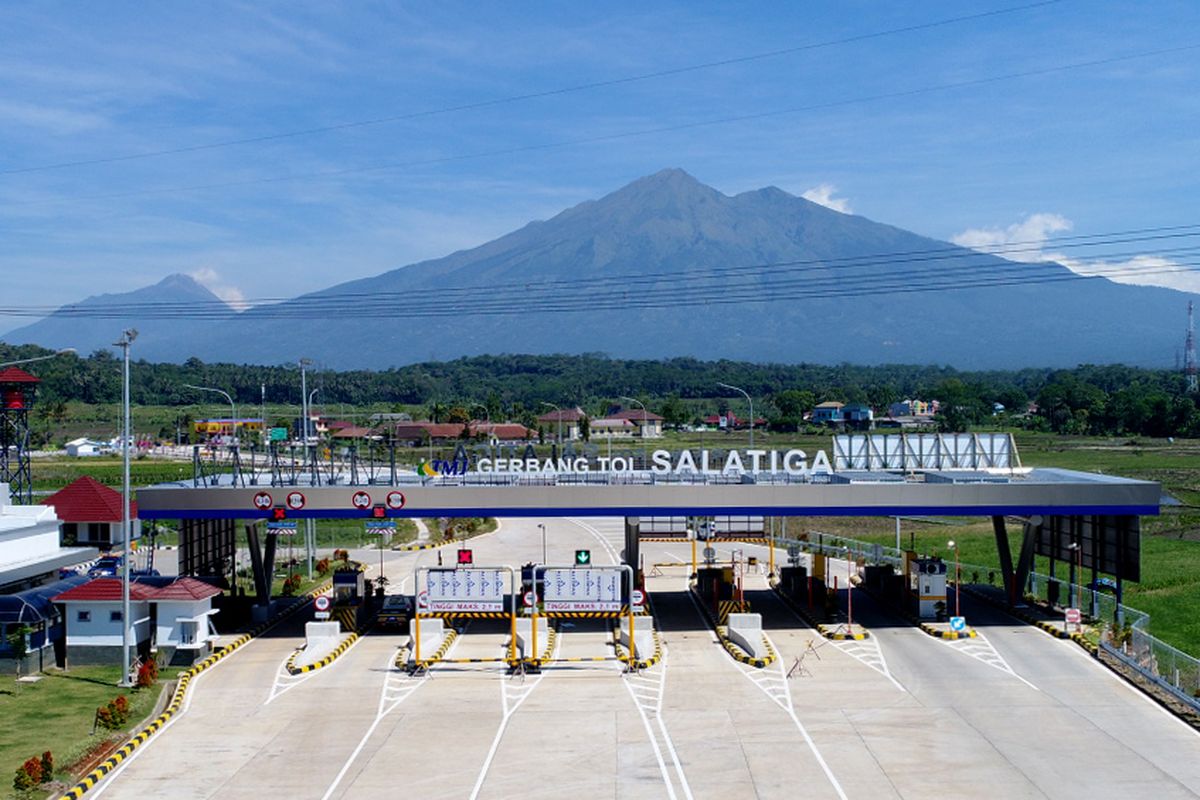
89 514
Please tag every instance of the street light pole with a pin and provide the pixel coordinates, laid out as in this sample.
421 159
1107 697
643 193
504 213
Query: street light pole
748 400
63 352
232 407
542 525
957 579
645 420
124 342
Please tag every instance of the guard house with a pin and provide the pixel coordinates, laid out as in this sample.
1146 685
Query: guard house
926 581
183 629
90 514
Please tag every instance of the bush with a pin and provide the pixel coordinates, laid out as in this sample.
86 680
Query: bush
290 584
28 775
114 715
147 673
341 555
323 567
47 765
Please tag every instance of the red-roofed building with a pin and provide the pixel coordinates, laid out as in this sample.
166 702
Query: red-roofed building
169 615
649 425
90 514
562 423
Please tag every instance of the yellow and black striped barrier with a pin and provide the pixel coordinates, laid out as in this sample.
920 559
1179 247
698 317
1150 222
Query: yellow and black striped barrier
87 782
624 612
348 617
623 654
939 633
464 615
324 662
727 607
741 655
447 640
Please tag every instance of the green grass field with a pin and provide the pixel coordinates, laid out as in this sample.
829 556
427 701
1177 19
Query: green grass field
56 714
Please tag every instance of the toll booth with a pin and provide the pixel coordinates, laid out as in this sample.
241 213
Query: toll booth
715 584
793 580
348 587
927 586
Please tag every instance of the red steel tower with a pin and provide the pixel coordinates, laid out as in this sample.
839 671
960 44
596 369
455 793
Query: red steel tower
17 388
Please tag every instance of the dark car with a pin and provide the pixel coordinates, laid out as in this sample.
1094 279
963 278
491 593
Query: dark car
105 567
394 613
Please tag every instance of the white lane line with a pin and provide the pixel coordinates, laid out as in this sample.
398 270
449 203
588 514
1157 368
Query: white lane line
869 652
288 681
187 705
398 686
647 688
510 700
780 693
614 555
982 650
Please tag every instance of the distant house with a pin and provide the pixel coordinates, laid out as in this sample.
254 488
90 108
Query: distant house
858 416
564 423
422 432
649 425
732 421
82 448
502 432
827 413
612 428
89 514
912 408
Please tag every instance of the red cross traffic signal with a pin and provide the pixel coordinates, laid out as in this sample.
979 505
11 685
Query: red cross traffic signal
278 514
379 512
465 557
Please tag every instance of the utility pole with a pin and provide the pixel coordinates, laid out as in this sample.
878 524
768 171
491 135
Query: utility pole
1189 354
124 342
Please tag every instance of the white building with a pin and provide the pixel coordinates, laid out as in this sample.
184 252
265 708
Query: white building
30 554
80 448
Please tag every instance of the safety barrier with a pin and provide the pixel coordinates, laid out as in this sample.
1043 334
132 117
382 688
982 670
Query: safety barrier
324 662
448 640
725 607
87 782
623 654
348 617
591 614
452 615
741 655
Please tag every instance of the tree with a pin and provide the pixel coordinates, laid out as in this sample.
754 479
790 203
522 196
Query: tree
673 411
18 642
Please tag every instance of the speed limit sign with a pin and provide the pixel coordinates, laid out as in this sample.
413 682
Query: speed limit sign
361 500
322 604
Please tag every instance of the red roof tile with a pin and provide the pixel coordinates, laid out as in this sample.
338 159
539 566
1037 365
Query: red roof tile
14 375
186 589
636 415
88 500
105 590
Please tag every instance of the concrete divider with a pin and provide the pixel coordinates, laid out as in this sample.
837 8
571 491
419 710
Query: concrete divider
745 630
433 633
320 639
643 636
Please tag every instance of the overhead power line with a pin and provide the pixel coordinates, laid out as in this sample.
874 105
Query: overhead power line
524 97
770 283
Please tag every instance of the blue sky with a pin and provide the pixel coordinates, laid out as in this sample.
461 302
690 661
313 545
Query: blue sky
1089 150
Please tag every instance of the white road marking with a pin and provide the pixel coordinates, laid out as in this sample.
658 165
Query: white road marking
512 696
285 680
100 788
981 649
777 688
647 688
398 686
869 652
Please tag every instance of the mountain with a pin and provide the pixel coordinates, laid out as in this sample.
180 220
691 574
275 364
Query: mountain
660 267
97 322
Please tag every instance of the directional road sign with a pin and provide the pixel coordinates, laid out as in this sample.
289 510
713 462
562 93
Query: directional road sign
582 588
958 624
480 589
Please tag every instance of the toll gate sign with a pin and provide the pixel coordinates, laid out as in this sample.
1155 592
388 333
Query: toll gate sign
591 589
452 590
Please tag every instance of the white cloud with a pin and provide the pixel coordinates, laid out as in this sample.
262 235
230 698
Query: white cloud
824 195
1026 241
211 279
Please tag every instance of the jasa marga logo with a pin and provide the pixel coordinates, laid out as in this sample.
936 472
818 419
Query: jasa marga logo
432 469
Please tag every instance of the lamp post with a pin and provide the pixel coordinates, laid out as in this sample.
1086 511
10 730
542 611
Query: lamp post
225 394
56 354
305 363
645 420
1076 575
957 579
748 400
124 342
542 525
559 415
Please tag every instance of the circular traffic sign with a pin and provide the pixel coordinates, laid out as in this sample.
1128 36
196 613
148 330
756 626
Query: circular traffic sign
295 500
530 598
395 500
1074 616
361 500
322 603
263 500
423 599
958 624
709 554
638 597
